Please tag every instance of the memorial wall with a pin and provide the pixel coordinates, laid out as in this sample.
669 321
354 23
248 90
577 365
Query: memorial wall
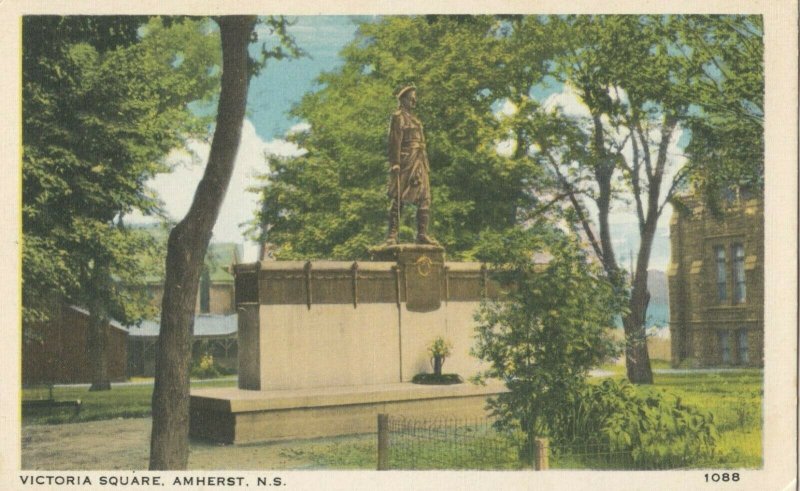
328 323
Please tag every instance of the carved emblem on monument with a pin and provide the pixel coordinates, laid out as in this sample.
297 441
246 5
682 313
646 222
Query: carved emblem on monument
424 265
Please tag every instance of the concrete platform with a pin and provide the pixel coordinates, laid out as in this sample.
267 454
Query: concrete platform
232 415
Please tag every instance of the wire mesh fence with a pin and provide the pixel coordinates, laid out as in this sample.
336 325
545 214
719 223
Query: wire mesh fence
448 443
452 443
578 455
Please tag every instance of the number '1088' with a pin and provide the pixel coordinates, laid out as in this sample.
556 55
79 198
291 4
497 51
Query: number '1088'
722 477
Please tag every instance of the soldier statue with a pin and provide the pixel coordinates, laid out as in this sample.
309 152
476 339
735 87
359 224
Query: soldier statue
409 169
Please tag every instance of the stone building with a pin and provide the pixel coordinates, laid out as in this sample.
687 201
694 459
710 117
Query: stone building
716 283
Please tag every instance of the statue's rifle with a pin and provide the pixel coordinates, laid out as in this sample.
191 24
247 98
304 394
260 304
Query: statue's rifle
397 197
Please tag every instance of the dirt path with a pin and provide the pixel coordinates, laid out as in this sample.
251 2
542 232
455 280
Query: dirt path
123 444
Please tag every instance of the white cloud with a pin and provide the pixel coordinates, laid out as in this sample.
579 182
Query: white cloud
618 94
282 148
568 102
507 108
176 189
299 128
505 148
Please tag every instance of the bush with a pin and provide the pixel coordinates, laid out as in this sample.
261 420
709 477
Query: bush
205 368
550 328
616 418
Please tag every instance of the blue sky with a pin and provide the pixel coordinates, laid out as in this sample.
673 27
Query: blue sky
272 94
284 82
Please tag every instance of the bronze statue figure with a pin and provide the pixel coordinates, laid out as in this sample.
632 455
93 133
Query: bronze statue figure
409 168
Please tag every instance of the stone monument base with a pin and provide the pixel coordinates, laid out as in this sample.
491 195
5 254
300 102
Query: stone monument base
231 415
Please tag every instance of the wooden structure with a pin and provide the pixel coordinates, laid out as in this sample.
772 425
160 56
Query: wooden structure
213 334
56 352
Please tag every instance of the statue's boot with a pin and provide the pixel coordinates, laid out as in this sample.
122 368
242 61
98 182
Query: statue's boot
391 236
423 216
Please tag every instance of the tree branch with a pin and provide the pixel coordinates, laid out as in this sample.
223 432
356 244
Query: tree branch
570 192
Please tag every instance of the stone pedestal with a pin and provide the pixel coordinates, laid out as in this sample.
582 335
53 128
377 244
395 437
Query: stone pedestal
324 346
404 253
422 269
229 415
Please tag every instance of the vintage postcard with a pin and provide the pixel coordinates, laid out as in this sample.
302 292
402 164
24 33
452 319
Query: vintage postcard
517 245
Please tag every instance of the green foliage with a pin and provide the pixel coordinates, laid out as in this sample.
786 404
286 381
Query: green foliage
331 201
103 104
728 96
440 347
205 367
550 329
616 418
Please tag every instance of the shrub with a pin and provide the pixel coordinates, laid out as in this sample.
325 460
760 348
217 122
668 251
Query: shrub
548 330
205 368
616 418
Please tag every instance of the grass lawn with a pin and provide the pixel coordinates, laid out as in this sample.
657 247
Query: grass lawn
734 397
122 401
735 400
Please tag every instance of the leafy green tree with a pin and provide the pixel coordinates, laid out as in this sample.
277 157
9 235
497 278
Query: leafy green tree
727 92
188 241
549 331
620 67
331 201
104 101
632 74
46 72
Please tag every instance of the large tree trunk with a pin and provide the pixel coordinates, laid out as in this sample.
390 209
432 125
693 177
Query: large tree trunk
637 358
98 351
97 337
187 245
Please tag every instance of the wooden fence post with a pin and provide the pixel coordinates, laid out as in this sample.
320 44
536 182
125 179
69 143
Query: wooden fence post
383 442
541 462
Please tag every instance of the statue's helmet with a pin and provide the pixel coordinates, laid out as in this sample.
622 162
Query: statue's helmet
405 90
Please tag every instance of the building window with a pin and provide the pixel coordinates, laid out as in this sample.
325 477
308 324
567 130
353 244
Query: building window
739 288
742 345
725 347
722 279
